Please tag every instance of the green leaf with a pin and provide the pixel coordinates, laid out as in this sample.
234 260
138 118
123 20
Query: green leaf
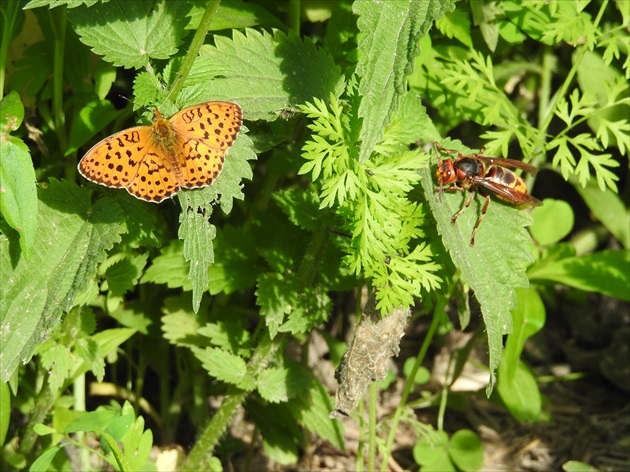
604 272
180 323
280 433
45 459
466 450
72 239
552 221
301 207
169 268
18 194
273 297
234 14
136 442
496 266
126 36
312 410
608 208
222 365
91 421
430 452
279 384
528 319
230 335
520 393
123 274
197 206
388 43
235 266
5 411
57 3
456 24
264 73
93 117
57 360
272 384
107 341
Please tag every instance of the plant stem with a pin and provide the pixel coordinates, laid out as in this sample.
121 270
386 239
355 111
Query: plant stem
371 458
435 322
58 23
266 350
195 46
295 7
12 9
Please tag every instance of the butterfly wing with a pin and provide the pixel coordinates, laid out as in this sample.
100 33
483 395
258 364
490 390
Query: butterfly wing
131 159
204 133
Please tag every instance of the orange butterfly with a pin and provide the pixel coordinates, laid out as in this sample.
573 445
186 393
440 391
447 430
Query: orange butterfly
154 162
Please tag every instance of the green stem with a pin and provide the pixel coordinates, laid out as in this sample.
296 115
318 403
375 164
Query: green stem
295 7
409 383
266 350
569 78
201 454
58 23
195 46
12 9
371 458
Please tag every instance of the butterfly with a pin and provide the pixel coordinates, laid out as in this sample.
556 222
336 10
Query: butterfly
155 162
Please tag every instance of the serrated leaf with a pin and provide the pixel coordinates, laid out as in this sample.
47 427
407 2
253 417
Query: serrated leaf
301 207
18 194
274 298
57 360
265 73
279 431
126 35
235 14
197 206
72 239
58 3
496 266
272 385
169 268
312 410
180 324
222 365
123 275
388 43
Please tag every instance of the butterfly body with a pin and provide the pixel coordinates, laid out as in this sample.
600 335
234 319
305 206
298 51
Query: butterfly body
154 162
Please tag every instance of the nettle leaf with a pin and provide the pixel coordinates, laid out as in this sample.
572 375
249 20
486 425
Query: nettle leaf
58 361
197 206
274 298
265 73
236 264
231 335
58 3
169 268
222 365
496 266
312 410
18 198
388 43
125 35
124 273
180 324
73 238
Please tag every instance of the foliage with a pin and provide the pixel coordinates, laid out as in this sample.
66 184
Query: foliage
329 189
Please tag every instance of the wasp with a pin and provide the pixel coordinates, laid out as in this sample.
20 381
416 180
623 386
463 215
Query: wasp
477 173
